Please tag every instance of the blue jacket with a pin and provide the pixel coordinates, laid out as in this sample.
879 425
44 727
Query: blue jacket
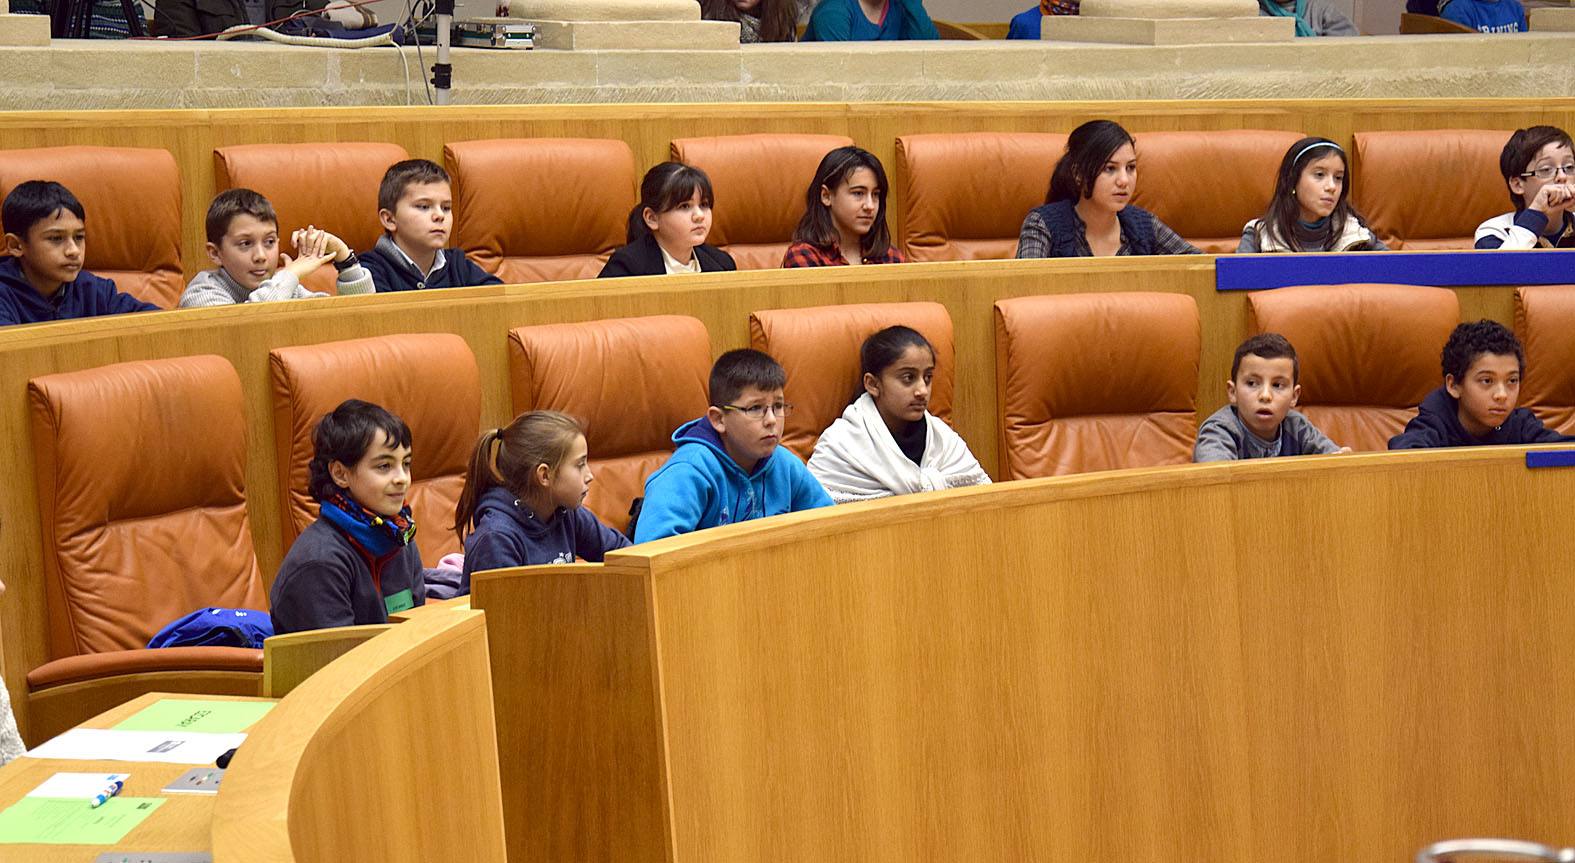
508 534
1025 25
88 296
700 486
1486 16
391 272
844 21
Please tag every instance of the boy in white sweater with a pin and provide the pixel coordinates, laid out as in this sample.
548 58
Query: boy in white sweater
243 240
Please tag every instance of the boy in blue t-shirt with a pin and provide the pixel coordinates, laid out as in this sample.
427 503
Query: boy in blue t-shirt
1486 16
728 466
41 278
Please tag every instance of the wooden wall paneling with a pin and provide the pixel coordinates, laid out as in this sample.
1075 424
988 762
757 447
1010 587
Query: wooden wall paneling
245 334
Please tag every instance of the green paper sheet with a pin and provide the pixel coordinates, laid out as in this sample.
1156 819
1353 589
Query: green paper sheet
71 821
214 717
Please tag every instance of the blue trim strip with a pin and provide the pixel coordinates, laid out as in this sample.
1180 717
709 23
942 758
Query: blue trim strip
1436 269
1551 458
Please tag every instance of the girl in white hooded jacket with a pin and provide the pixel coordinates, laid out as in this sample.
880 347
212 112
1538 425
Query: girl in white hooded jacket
887 442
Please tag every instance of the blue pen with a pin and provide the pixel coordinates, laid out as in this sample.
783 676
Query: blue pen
111 791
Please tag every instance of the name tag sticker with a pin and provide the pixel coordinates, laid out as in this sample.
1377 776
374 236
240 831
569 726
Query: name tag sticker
399 601
1551 458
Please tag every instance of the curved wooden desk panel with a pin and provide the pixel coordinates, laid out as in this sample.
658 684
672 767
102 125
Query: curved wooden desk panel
1314 659
192 135
722 301
386 754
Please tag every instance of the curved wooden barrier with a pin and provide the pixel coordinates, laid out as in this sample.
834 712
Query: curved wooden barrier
1297 661
385 754
722 301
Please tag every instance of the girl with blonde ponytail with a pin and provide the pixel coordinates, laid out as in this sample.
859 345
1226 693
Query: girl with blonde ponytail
523 500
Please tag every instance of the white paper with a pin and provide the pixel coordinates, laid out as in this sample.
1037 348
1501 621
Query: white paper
165 747
84 785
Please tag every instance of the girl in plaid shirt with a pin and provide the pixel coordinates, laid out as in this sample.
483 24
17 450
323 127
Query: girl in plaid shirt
844 208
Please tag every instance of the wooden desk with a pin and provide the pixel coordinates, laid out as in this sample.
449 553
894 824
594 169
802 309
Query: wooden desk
1302 660
183 823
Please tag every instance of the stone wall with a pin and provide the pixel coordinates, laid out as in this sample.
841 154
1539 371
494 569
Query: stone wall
81 75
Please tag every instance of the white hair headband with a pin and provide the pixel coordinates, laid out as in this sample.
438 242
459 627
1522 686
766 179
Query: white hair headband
1313 146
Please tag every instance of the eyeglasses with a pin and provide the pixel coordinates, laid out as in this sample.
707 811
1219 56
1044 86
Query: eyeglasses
758 412
1548 172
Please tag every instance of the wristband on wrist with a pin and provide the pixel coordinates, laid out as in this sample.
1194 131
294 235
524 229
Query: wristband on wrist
349 261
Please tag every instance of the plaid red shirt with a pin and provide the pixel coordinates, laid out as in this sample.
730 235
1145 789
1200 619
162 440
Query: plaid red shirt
806 255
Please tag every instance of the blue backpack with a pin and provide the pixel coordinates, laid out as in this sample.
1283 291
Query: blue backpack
217 627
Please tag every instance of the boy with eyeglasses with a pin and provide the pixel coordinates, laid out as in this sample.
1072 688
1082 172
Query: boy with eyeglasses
728 466
1538 165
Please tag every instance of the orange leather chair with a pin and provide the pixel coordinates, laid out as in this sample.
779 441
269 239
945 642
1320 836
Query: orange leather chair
631 381
1545 325
1429 189
141 491
1369 353
330 185
965 195
1208 185
759 181
1088 382
818 347
429 380
541 209
132 200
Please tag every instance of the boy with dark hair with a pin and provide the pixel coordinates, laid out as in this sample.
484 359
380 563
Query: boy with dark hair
243 240
41 278
728 466
415 206
1483 363
1259 420
358 563
1538 165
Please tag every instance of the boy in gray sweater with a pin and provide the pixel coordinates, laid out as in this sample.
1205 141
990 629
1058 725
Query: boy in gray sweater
243 240
1259 421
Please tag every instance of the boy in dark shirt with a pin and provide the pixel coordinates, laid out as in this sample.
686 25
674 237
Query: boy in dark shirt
1483 363
41 278
415 206
357 563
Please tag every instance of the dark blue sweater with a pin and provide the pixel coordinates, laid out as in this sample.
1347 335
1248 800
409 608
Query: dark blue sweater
508 534
87 296
1437 424
326 581
391 272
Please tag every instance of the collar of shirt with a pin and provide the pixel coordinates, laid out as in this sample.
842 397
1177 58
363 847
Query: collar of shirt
672 266
437 262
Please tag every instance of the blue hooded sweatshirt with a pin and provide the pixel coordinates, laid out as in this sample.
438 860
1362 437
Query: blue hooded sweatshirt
87 296
700 486
508 534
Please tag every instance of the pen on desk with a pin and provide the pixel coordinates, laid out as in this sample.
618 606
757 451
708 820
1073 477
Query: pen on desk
111 791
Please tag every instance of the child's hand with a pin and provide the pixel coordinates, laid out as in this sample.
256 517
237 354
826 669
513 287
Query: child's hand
1342 450
312 246
1553 196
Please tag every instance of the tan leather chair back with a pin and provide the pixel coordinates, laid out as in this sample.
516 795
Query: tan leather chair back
429 380
1369 353
1429 189
1207 185
132 200
819 346
330 185
965 195
541 209
1088 382
759 181
631 381
1545 325
141 472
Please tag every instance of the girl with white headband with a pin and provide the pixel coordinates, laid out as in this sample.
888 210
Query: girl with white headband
1310 210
